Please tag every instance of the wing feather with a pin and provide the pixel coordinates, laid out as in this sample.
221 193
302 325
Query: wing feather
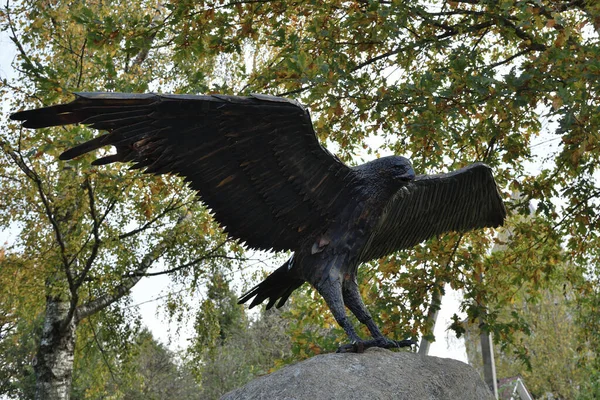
255 161
430 205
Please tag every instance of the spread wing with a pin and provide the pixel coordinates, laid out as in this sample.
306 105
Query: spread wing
459 201
255 161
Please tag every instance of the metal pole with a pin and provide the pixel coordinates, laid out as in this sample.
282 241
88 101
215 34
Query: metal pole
489 365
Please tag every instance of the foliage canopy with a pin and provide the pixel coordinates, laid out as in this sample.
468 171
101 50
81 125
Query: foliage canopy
513 83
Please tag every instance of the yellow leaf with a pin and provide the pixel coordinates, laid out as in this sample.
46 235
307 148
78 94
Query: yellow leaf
556 102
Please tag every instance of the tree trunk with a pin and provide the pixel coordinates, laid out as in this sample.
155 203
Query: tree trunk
432 316
53 365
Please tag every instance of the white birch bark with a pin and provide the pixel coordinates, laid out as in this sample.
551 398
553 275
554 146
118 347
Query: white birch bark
53 364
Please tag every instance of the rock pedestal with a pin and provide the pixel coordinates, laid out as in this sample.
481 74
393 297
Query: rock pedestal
374 374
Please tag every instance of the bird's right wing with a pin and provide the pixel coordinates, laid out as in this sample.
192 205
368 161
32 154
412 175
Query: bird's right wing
255 161
430 205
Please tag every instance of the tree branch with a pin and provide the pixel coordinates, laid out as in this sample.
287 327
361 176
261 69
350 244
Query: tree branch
121 290
209 255
509 59
109 208
399 50
95 231
66 264
80 75
154 24
33 176
521 34
111 205
172 206
104 358
14 38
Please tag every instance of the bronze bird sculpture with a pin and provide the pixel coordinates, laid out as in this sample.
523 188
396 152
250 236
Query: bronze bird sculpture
257 164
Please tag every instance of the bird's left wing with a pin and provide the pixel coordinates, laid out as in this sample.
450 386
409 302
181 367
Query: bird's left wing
430 205
255 161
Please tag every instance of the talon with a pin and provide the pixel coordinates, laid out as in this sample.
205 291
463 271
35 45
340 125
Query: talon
359 347
344 348
405 343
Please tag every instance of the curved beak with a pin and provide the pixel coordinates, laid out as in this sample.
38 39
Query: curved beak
407 176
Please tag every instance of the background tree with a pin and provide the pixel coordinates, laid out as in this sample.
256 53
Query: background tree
20 326
230 348
554 350
155 373
83 239
445 83
107 366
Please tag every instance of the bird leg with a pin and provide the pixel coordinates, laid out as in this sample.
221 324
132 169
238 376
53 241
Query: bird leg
331 290
353 301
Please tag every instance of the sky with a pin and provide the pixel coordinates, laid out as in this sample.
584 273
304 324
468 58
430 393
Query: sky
148 293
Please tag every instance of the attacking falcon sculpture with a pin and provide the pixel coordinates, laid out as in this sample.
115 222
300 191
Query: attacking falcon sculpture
257 164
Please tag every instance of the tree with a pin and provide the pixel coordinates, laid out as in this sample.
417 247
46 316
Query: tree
553 349
587 316
19 327
85 236
129 364
106 349
446 83
156 374
230 349
90 258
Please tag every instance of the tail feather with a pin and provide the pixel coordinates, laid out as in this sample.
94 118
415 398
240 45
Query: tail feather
277 287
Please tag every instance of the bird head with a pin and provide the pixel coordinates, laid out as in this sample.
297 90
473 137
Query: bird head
391 172
401 169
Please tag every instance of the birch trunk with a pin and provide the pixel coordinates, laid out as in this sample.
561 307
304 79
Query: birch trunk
53 365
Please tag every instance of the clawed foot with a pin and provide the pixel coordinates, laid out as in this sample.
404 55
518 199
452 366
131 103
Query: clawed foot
361 345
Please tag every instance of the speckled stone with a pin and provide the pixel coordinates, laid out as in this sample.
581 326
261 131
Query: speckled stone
375 374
